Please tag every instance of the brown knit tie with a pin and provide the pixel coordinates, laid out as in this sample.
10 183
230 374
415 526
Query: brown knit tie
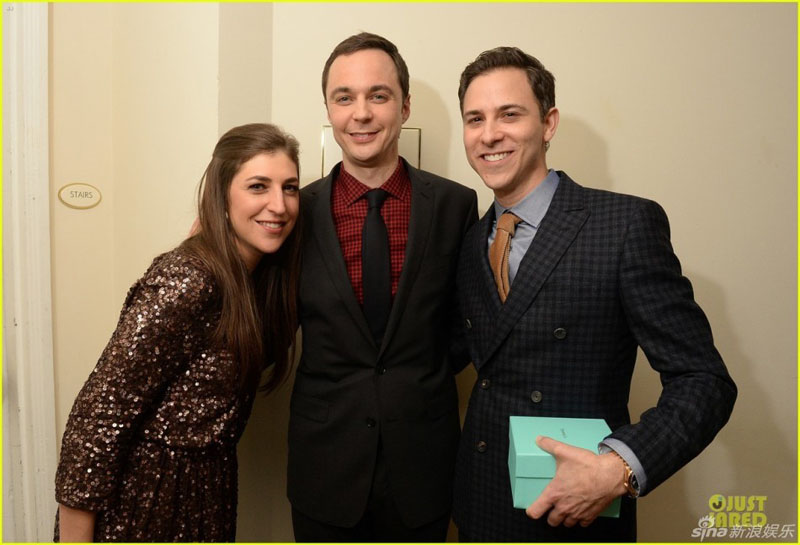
498 252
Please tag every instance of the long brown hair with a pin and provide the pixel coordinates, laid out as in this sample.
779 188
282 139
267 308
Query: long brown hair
258 311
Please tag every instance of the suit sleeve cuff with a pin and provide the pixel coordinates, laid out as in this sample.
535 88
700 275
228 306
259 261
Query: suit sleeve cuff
609 443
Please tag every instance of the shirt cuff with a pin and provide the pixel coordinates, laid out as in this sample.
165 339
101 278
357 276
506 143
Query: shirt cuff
609 443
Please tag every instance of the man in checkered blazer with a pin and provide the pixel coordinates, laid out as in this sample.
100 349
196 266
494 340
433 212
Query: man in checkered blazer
592 276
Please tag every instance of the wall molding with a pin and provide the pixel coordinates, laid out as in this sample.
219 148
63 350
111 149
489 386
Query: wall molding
29 441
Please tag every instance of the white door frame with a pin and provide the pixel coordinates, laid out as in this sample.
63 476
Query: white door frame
29 437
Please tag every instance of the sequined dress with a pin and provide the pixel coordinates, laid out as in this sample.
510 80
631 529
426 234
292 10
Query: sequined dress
150 443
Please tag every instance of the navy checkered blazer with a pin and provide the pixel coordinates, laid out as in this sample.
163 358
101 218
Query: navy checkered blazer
599 280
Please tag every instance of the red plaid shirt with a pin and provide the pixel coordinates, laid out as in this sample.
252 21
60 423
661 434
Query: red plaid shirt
350 210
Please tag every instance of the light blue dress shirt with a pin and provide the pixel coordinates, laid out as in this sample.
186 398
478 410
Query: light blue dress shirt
531 210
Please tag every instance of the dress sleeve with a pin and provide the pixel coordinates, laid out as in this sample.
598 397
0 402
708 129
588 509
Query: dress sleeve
162 316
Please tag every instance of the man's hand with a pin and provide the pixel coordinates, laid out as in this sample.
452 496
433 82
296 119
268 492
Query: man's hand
195 228
584 485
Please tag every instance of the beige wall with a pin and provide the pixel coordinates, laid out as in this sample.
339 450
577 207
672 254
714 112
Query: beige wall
127 82
81 151
691 105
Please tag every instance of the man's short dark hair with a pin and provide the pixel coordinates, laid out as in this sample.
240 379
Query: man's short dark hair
542 82
360 42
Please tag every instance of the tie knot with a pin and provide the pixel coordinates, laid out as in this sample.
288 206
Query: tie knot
375 197
508 222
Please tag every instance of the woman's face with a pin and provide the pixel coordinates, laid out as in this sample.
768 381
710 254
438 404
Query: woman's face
264 201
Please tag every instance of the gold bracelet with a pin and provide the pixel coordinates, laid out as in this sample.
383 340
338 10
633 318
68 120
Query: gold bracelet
629 477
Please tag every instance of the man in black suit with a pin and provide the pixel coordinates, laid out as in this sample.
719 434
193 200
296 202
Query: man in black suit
582 278
374 421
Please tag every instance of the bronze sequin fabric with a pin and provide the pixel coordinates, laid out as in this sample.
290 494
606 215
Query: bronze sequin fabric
150 443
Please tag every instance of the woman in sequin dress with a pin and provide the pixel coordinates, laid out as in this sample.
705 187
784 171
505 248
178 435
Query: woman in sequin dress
149 451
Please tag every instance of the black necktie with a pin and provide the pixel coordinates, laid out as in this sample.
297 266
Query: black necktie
376 270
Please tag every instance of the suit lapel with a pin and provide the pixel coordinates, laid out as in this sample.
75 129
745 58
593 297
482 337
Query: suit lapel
419 227
491 299
562 223
475 263
327 242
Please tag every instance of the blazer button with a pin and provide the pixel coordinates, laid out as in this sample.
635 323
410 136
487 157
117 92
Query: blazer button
468 324
536 396
481 446
560 333
381 370
370 422
485 383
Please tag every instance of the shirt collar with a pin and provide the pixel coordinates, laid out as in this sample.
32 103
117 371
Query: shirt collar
534 206
398 185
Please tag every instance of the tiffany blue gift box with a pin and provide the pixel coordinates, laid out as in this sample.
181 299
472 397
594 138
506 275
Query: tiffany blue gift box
531 468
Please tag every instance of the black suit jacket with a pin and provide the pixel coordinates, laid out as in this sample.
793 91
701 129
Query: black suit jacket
599 280
349 392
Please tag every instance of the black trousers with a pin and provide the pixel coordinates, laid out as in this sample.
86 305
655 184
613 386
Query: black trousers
381 521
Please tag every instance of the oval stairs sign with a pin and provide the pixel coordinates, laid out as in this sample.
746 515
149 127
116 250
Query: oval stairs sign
80 196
